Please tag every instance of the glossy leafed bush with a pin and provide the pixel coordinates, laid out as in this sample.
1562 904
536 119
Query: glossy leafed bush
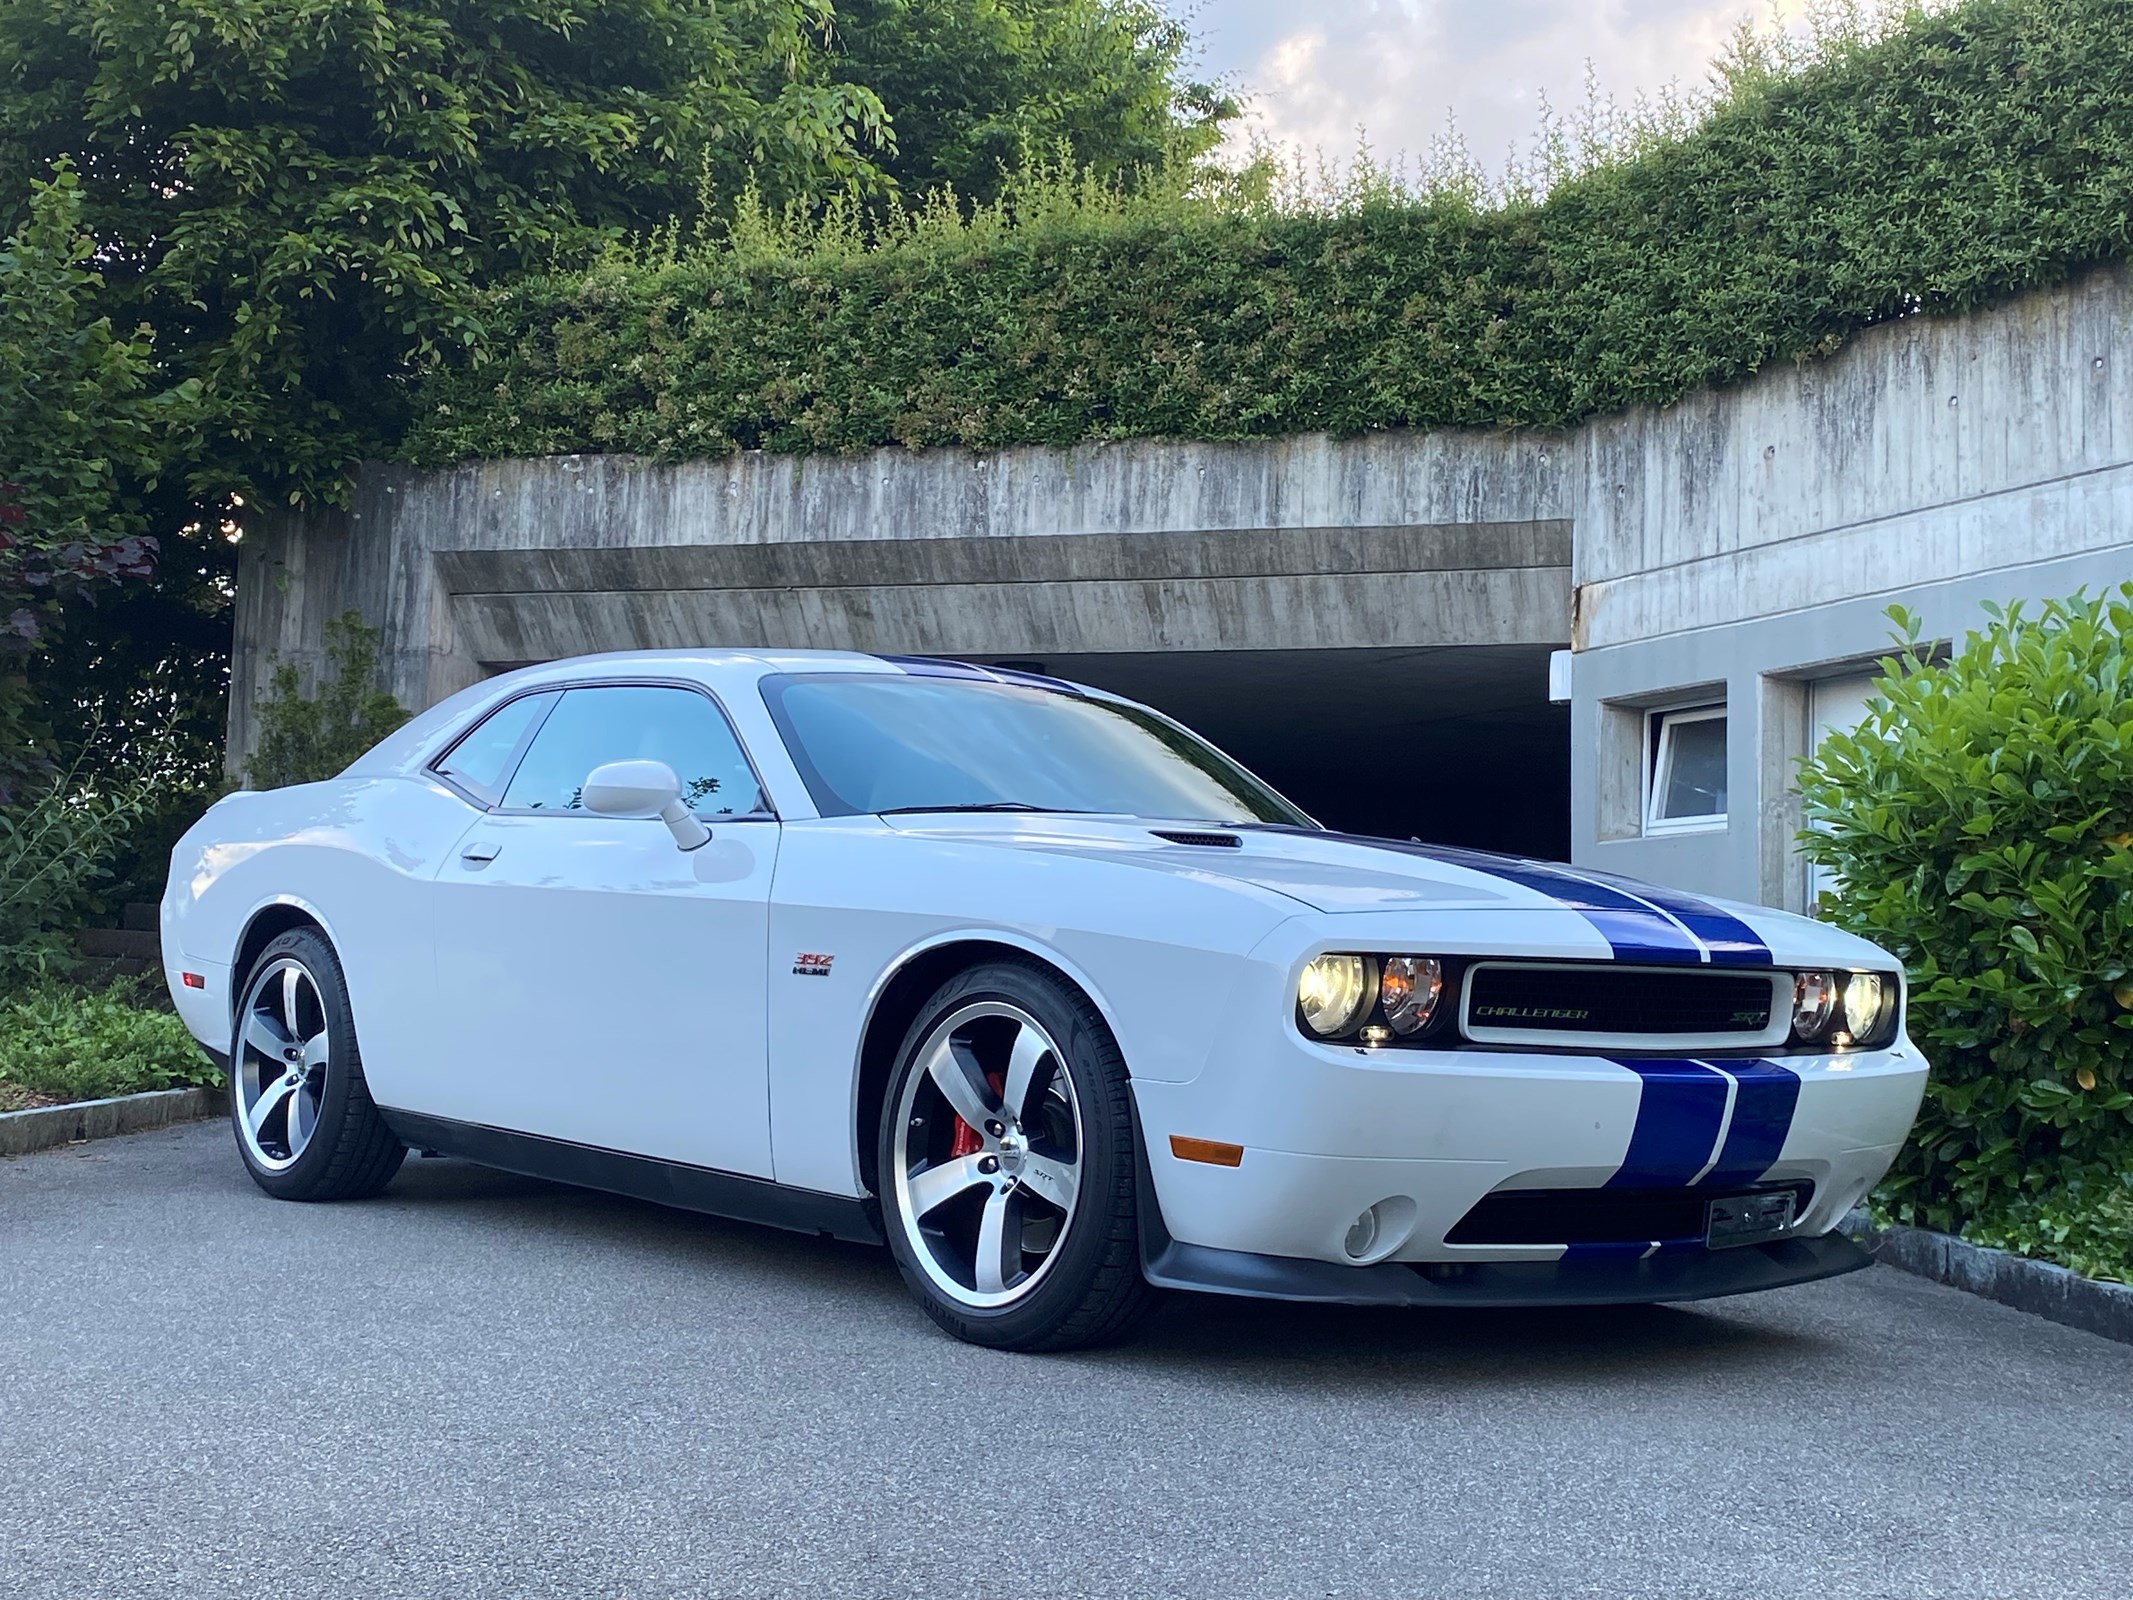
1982 821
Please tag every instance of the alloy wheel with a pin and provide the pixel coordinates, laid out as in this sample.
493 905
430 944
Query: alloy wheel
988 1160
282 1062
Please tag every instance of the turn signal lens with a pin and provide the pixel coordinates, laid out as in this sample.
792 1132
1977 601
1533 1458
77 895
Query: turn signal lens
1814 1003
1864 996
1333 994
1408 991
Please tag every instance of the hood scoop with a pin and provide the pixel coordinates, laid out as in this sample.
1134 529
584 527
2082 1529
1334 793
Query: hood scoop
1211 841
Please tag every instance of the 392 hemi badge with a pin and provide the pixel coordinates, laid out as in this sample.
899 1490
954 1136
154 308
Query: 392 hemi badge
805 965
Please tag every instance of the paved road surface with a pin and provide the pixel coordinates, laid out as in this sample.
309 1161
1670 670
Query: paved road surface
483 1386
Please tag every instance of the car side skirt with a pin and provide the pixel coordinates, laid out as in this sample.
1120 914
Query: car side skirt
667 1183
1696 1274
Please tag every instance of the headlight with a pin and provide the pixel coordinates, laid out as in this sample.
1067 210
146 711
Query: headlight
1844 1010
1408 991
1333 994
1814 1002
1865 997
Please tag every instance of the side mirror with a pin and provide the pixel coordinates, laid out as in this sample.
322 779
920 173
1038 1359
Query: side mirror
644 789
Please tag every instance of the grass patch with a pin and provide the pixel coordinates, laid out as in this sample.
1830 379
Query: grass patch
59 1043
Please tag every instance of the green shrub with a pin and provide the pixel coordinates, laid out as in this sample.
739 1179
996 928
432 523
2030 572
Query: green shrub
86 1044
1962 158
57 844
1982 821
306 738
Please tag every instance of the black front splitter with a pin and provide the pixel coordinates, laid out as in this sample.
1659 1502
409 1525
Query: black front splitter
1697 1274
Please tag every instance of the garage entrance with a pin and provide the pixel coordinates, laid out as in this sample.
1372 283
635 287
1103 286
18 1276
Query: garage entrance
1455 745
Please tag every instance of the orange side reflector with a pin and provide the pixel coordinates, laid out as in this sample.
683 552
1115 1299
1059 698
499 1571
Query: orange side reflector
193 980
1212 1151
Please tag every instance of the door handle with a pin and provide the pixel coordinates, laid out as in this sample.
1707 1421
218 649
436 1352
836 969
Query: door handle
479 854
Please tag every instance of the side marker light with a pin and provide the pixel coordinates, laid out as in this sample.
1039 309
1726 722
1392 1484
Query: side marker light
1212 1152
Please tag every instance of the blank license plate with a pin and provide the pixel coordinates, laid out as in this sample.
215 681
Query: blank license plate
1748 1219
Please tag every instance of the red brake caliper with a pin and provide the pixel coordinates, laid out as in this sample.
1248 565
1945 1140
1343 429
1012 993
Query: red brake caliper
965 1140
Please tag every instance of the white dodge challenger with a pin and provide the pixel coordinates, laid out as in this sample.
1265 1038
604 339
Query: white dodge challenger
1033 985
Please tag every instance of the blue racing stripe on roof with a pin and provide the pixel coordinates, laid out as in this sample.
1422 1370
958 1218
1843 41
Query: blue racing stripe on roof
937 667
1764 1099
1036 680
1679 1113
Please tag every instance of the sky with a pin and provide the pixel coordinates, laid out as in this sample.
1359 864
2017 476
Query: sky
1315 70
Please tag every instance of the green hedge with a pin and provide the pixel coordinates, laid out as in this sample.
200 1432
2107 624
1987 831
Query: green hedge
1982 821
1968 156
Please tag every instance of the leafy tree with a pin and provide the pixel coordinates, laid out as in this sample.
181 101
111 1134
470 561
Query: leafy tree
306 738
85 427
972 86
301 195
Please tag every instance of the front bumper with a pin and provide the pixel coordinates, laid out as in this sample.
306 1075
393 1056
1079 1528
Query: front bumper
1328 1132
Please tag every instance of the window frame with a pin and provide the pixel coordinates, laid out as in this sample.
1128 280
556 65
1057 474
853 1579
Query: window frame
1659 766
768 811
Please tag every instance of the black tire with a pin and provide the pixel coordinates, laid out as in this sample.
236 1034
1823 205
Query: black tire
1090 1290
350 1154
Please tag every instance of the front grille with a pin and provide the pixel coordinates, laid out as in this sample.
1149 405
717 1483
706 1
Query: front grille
1617 1000
1600 1216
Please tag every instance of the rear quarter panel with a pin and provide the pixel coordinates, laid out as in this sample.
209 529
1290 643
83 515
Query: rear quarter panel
357 855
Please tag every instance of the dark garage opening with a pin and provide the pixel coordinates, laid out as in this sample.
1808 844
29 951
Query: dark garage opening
1454 745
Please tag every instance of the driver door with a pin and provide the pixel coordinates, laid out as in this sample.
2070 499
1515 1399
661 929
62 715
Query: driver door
597 983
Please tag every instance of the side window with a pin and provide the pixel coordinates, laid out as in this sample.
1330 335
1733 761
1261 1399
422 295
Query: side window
635 722
480 761
1688 770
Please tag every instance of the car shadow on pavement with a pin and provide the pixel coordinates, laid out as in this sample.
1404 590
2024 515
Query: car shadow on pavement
1428 1347
1289 1344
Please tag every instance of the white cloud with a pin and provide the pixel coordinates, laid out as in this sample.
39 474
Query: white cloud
1315 72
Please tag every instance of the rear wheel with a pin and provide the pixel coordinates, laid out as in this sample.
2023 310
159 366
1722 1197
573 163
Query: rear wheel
1007 1165
303 1116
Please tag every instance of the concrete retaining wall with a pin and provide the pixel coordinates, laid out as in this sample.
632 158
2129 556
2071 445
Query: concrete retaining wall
1734 546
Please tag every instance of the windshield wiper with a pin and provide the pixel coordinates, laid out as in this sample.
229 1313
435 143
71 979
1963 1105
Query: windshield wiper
977 805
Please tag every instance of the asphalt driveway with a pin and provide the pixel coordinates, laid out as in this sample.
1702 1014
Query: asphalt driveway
483 1385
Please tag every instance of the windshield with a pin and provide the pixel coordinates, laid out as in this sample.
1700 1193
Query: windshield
877 742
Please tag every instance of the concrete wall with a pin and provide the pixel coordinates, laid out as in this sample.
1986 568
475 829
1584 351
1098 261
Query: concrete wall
1733 546
1304 544
1744 543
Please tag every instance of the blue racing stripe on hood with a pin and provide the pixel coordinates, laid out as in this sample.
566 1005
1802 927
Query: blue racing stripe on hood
1634 928
1679 1113
1732 942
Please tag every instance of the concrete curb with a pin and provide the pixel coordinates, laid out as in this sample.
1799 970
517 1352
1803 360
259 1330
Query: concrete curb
2038 1287
24 1131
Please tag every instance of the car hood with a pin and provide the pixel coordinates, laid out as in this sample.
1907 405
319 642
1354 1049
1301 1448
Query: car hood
1345 873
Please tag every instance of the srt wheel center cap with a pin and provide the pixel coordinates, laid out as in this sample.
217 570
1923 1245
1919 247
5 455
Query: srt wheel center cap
1013 1147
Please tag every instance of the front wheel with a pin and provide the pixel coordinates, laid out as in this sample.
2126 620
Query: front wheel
303 1116
1007 1165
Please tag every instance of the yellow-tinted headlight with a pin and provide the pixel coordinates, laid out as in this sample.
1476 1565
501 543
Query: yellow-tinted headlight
1864 996
1333 994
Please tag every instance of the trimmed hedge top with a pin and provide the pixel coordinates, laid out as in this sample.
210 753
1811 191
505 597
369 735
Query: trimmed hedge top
1969 156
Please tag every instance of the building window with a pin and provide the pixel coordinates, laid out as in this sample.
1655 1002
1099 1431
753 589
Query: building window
1685 770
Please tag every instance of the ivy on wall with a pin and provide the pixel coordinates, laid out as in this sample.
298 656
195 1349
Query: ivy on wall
1967 156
